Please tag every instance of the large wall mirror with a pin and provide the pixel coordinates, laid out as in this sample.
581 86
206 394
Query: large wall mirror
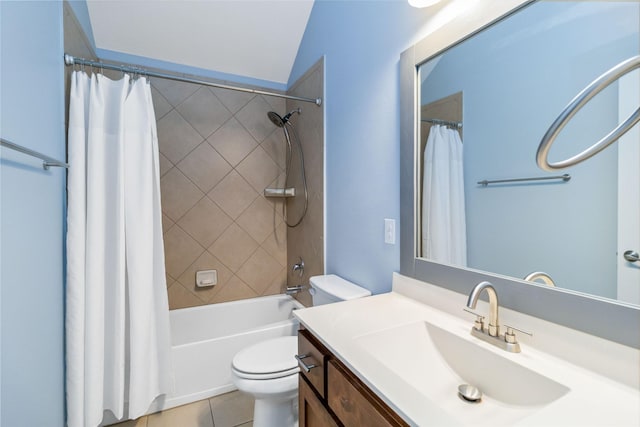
481 107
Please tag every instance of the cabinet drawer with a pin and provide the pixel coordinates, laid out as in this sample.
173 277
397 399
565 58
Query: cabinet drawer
312 353
353 403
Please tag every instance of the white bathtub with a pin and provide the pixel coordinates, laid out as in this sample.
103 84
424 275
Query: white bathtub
205 339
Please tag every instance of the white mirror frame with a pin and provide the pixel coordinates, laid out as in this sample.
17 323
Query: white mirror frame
602 317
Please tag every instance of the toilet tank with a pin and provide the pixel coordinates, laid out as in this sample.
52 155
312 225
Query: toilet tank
330 288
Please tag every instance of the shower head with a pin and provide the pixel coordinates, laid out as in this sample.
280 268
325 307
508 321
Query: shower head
281 121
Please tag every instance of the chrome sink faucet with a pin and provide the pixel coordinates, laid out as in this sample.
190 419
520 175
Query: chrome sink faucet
494 326
491 334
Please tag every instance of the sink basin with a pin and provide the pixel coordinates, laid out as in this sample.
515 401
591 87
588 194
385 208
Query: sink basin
435 361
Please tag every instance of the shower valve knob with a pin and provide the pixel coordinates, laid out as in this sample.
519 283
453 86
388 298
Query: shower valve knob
299 267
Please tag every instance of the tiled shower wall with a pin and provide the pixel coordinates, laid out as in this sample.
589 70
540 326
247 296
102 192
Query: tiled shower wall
307 240
218 152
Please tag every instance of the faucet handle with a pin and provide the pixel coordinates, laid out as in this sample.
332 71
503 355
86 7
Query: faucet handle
479 322
510 336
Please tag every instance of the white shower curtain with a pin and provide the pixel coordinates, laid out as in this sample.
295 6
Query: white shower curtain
117 318
444 237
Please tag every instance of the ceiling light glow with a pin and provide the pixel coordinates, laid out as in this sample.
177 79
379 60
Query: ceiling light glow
423 3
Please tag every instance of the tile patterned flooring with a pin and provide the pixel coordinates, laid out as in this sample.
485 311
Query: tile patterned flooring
233 409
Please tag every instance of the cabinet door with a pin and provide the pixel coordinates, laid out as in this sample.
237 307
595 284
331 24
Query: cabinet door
311 411
353 403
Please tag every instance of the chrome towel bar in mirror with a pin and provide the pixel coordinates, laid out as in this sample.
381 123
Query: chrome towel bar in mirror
572 109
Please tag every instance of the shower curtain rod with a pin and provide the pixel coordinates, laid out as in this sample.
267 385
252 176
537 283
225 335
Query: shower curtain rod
71 60
456 125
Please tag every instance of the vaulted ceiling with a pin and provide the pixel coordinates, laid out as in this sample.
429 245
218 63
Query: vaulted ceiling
250 38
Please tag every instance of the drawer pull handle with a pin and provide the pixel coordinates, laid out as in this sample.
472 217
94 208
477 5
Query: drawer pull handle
307 368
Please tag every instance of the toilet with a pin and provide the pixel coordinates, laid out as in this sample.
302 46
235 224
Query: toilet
268 370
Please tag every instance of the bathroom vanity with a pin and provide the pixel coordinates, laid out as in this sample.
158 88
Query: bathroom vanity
329 391
398 359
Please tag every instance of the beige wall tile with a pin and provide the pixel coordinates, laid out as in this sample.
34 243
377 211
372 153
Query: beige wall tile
276 146
206 261
165 164
160 105
233 194
243 154
178 194
179 297
259 169
235 289
259 271
307 240
260 219
232 141
277 104
233 247
167 223
253 117
180 251
204 111
205 222
176 137
232 99
278 285
174 92
276 244
204 167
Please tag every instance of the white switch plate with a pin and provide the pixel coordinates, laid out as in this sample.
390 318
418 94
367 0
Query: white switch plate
390 231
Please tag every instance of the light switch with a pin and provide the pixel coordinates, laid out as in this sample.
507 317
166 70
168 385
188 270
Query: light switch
390 231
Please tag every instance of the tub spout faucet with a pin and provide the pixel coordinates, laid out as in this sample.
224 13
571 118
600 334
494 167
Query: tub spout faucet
292 290
494 327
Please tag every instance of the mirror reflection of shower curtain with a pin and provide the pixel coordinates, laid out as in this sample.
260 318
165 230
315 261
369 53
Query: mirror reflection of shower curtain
444 237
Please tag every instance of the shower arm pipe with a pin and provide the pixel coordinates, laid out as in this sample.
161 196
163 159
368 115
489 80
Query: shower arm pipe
70 60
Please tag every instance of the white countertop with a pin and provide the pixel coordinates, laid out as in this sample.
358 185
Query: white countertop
592 400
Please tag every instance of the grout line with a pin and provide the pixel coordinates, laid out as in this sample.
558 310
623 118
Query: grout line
213 420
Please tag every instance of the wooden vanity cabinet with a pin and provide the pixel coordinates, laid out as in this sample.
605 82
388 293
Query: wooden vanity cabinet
330 395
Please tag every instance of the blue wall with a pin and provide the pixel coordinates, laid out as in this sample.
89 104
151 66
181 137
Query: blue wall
32 223
362 42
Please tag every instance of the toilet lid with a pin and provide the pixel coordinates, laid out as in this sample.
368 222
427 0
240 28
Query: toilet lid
266 357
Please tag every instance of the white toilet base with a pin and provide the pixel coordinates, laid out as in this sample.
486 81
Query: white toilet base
272 413
276 399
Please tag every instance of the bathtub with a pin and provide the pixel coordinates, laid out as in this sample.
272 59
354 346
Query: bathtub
205 339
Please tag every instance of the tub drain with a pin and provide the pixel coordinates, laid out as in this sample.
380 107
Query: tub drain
469 393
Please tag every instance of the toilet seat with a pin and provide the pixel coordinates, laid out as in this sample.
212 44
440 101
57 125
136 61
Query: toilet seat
269 359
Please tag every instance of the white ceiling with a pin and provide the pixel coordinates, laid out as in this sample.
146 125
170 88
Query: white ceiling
251 38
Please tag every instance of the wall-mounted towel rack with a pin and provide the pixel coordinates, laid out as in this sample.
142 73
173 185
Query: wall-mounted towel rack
47 161
456 125
566 177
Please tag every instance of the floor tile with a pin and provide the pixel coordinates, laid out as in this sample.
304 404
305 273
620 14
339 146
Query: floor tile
140 422
232 409
197 414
